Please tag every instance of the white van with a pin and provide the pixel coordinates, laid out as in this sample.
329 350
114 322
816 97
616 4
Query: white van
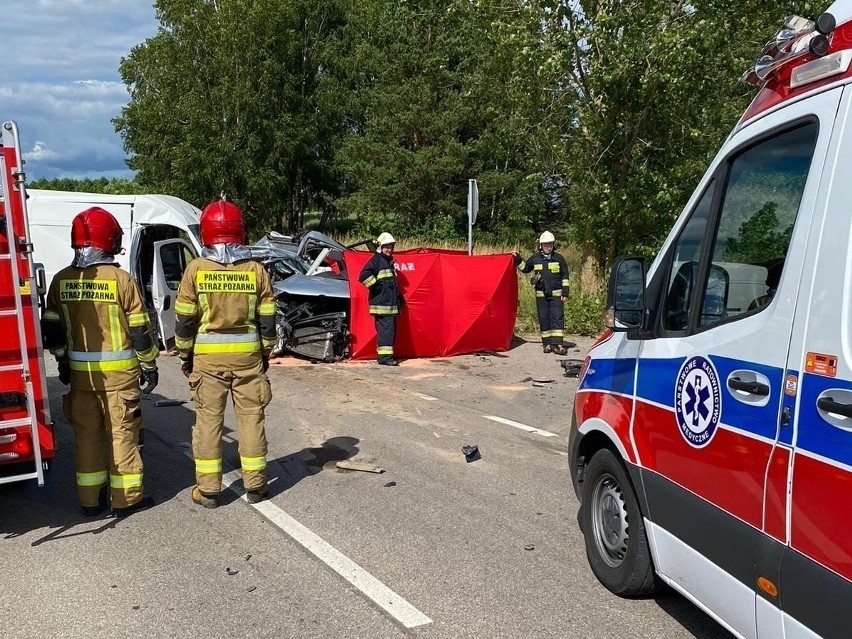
161 236
712 439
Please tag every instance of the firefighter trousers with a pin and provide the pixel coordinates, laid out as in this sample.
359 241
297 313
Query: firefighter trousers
251 393
551 319
106 433
385 332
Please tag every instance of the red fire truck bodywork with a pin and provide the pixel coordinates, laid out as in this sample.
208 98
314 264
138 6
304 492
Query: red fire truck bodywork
26 428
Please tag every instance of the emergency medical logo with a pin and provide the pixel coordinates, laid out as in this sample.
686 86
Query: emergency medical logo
698 401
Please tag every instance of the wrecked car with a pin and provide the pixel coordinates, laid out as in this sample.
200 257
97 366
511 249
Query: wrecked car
311 294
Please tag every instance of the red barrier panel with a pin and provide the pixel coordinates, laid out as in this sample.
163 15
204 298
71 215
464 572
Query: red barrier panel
453 304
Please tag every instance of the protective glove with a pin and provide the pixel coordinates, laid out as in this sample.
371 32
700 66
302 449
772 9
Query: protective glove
64 371
149 379
186 366
265 364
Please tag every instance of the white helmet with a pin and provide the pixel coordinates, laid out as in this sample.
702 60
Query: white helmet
385 238
546 238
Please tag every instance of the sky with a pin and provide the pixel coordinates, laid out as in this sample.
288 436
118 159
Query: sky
60 81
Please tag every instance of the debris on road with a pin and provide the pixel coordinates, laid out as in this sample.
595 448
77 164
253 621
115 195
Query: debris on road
529 547
169 402
251 588
351 464
231 571
389 484
471 453
543 380
571 367
524 380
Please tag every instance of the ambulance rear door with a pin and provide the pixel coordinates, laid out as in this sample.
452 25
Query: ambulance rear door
712 367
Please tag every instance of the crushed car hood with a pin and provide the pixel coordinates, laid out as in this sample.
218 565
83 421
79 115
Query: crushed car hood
314 286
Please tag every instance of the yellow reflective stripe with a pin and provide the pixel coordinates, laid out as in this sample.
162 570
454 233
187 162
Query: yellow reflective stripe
184 344
266 308
539 293
203 348
185 308
385 350
369 281
566 283
538 267
553 267
106 365
208 466
556 292
383 310
115 332
384 274
252 307
556 333
137 319
149 355
132 480
205 313
51 316
523 264
68 338
253 463
97 478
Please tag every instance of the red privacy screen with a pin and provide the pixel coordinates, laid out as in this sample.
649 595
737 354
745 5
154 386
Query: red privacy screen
454 303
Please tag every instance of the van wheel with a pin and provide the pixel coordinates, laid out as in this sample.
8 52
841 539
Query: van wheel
616 544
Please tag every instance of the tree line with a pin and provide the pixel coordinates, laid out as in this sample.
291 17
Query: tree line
594 118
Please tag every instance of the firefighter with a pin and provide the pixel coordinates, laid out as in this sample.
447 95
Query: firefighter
96 325
379 276
550 281
225 331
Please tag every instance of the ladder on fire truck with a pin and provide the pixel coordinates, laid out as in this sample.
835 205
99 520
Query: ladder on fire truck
18 246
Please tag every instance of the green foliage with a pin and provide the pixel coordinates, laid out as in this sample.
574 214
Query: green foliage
116 186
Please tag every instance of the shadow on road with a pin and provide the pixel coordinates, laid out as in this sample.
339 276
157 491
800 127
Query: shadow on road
690 616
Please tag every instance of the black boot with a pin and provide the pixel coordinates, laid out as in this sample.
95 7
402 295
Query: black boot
387 360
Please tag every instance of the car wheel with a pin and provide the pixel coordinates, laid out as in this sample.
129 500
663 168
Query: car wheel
616 543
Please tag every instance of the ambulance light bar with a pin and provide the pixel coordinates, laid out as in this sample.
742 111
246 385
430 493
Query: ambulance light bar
821 68
797 38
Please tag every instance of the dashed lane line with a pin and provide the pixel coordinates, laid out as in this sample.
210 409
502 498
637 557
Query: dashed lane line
529 429
369 586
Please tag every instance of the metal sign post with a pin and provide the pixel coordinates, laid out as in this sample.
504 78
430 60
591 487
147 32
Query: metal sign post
472 210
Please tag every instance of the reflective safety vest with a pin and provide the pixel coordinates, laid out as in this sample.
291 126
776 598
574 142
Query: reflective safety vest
96 317
379 276
550 274
225 313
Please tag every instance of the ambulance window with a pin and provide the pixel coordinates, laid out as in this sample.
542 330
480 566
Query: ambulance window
758 213
687 255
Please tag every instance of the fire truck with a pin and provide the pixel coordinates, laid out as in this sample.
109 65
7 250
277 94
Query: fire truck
26 428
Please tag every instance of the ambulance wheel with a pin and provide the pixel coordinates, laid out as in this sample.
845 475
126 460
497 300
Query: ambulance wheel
616 544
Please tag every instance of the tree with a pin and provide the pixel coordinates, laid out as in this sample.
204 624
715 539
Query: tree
223 102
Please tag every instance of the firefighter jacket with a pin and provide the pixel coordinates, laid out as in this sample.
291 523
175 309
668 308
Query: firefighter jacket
379 276
225 313
96 318
550 274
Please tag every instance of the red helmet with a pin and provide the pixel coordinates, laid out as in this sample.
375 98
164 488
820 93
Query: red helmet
222 223
96 227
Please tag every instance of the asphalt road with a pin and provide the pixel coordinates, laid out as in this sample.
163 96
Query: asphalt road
433 547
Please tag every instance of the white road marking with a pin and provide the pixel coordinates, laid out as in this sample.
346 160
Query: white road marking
529 429
428 398
372 588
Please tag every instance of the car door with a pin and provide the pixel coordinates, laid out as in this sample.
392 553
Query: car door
711 373
170 260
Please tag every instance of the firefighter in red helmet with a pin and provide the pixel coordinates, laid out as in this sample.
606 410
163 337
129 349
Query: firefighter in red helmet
96 325
225 331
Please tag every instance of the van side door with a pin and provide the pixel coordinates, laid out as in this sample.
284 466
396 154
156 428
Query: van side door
170 260
712 363
816 571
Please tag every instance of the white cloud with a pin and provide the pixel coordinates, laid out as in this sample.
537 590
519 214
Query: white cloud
64 88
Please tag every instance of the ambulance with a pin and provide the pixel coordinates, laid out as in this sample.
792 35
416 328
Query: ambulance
711 444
